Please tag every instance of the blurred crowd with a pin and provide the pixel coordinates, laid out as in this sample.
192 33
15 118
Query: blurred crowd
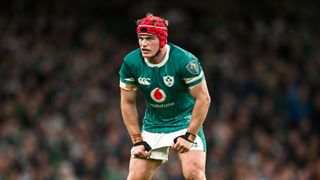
59 94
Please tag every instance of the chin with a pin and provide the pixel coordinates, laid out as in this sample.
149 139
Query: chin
147 55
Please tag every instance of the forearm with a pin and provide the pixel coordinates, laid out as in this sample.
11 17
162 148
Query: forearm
199 114
131 121
184 142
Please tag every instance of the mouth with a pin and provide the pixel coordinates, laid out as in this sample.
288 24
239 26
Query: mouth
143 50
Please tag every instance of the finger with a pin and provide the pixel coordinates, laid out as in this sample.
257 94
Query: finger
176 146
141 156
179 148
138 152
137 156
147 154
184 150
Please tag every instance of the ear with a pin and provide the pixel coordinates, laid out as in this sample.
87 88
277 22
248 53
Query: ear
138 22
166 22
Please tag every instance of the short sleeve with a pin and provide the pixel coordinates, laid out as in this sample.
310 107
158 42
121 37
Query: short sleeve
192 73
127 80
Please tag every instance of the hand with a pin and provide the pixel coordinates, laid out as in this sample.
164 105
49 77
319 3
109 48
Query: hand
141 150
184 142
182 145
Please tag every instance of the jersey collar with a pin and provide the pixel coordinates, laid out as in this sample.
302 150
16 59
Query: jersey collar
166 57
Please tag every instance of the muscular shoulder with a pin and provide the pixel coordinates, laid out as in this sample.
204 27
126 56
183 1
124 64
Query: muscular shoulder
182 55
189 68
187 62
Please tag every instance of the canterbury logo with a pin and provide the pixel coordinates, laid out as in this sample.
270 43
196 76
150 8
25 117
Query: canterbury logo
195 144
144 81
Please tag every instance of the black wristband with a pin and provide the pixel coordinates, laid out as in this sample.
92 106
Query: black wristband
145 144
186 137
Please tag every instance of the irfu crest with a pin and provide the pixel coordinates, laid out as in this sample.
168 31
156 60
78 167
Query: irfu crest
168 80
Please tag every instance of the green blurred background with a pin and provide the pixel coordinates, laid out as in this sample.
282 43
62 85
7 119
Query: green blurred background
59 94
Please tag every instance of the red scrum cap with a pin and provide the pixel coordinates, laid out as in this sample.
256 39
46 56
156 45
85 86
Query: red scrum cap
154 25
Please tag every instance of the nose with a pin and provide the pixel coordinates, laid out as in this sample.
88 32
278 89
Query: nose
143 42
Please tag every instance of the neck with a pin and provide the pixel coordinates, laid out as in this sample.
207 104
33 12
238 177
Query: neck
159 57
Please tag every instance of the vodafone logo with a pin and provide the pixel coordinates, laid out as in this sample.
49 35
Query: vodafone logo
158 95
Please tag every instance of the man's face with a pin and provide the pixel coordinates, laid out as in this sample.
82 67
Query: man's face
149 45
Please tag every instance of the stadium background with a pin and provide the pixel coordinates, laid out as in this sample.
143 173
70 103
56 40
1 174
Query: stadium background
59 95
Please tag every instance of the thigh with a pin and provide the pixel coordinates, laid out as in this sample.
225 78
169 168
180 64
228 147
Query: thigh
193 164
142 168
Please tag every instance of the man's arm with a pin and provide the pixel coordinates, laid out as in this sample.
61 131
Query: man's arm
129 113
202 103
130 117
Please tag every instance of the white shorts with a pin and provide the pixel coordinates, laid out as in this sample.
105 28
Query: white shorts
161 142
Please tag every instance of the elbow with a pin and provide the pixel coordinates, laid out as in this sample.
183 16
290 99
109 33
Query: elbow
207 100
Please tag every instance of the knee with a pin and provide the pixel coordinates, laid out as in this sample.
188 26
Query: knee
137 176
195 173
140 174
195 176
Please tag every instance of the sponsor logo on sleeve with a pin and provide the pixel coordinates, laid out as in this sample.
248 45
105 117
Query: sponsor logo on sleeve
193 67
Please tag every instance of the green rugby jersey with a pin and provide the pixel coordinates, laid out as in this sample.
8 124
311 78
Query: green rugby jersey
165 87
